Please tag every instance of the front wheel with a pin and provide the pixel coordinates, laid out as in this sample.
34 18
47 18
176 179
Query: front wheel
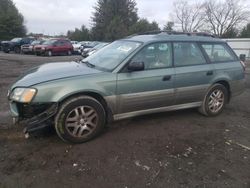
17 50
80 119
215 100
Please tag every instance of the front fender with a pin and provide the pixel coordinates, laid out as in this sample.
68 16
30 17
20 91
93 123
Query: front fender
56 91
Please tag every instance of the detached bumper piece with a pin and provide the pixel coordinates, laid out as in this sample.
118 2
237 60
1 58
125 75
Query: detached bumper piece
40 120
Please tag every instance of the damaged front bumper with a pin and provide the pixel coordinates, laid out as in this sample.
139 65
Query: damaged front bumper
34 116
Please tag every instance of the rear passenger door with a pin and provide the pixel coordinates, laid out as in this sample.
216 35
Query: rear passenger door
193 74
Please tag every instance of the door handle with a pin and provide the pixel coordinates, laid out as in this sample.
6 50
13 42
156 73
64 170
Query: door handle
166 78
209 73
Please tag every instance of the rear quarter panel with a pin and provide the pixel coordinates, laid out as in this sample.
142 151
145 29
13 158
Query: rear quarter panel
233 73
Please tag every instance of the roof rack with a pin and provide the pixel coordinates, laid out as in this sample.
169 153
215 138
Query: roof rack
155 32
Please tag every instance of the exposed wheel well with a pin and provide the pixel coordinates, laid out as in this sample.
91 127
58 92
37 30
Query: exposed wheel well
227 86
95 96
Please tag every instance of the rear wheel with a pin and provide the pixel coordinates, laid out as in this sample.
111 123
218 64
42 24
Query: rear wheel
215 100
80 119
49 53
17 50
69 53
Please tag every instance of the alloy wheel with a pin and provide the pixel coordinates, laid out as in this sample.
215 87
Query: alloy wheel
81 121
216 101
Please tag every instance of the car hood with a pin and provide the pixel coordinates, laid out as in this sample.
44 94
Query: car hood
53 71
7 42
76 45
26 45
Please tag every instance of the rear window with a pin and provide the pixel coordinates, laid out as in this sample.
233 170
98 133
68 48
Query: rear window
218 52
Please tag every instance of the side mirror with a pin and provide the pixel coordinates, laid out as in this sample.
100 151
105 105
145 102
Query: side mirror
243 57
136 66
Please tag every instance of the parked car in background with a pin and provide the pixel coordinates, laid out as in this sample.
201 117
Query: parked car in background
54 47
134 76
87 47
0 45
96 48
76 46
15 44
74 42
29 48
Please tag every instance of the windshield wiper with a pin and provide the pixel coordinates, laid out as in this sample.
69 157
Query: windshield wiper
88 64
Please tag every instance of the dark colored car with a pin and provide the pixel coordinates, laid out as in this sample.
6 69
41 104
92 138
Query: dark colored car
29 48
15 44
87 48
54 47
96 48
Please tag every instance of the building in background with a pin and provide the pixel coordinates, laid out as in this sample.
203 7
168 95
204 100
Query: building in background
240 46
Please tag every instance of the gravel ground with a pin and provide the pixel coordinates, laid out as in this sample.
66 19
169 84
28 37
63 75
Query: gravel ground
173 149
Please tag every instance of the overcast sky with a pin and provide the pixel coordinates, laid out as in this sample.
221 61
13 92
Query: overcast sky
58 16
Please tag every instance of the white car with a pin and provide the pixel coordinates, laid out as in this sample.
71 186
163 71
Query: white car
76 46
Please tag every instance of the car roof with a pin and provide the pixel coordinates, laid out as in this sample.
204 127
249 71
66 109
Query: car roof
147 38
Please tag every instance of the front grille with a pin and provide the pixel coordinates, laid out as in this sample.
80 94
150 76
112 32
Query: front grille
28 111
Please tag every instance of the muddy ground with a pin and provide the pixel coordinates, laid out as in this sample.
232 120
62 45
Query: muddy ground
173 149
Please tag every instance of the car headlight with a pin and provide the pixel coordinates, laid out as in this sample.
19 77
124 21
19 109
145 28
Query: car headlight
24 95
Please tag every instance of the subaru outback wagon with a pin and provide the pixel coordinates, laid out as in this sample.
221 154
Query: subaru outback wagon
134 76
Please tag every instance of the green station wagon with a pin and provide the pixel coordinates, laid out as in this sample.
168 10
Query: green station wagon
138 75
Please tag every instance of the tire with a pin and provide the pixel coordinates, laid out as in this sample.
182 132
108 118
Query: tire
49 53
17 50
215 100
69 53
80 119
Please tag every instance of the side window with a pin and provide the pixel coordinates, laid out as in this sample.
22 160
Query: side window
155 56
186 53
59 43
56 43
218 52
24 40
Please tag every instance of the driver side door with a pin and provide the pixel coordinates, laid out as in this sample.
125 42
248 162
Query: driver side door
150 88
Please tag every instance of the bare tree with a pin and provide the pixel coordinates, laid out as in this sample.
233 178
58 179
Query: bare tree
221 17
189 16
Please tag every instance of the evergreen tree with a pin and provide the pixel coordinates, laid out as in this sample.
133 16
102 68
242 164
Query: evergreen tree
143 25
113 19
11 21
79 34
245 33
169 26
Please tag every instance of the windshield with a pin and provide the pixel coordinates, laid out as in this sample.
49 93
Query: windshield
109 57
36 42
16 39
49 42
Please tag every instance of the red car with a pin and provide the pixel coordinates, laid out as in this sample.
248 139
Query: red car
54 47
